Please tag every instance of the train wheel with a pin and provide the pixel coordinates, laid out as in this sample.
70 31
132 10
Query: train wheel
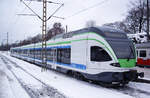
78 76
70 73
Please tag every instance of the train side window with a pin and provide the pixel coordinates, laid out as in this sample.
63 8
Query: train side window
142 53
64 55
98 54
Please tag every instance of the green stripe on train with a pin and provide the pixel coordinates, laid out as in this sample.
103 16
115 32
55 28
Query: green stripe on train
68 42
125 63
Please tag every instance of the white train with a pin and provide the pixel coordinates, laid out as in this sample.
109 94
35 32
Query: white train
97 53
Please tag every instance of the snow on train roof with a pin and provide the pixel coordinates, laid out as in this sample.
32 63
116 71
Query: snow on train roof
143 45
113 33
109 29
106 32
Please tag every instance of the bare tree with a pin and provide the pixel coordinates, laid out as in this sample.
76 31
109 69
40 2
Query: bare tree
136 17
57 29
118 25
148 36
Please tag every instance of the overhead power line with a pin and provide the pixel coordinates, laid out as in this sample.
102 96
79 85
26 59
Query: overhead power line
26 14
32 10
88 8
58 17
35 14
26 7
44 25
42 1
55 12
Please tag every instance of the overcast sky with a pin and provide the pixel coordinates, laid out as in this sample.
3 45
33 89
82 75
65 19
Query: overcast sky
21 27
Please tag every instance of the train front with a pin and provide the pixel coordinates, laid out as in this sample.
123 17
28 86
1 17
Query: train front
126 56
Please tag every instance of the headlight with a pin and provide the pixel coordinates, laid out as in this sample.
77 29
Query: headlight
115 64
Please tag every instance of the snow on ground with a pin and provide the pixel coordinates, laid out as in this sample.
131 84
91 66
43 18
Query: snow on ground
5 90
68 86
9 86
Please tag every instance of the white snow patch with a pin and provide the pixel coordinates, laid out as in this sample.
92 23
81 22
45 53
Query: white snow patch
9 86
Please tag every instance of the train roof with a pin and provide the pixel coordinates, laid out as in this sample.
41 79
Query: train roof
105 32
143 45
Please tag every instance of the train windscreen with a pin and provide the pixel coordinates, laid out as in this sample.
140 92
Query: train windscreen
123 50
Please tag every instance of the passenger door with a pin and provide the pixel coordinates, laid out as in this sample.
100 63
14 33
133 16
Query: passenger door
54 51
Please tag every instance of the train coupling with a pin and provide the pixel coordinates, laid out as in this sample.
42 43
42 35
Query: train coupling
137 74
133 75
141 74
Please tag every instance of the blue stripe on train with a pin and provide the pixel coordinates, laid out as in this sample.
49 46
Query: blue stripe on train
68 46
73 65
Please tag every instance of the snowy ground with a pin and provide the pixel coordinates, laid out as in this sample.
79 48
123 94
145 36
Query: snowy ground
20 79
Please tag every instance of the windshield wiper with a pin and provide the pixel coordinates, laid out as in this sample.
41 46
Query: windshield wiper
130 53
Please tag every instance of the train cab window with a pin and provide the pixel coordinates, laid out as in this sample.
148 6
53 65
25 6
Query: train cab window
98 54
142 53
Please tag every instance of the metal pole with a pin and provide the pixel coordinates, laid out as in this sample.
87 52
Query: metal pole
44 27
66 28
7 41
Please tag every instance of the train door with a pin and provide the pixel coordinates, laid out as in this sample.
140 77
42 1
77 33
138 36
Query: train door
54 51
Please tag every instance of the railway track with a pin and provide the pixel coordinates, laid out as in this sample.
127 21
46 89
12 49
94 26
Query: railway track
128 90
133 91
45 90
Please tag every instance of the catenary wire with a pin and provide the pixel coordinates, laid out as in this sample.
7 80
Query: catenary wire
86 9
